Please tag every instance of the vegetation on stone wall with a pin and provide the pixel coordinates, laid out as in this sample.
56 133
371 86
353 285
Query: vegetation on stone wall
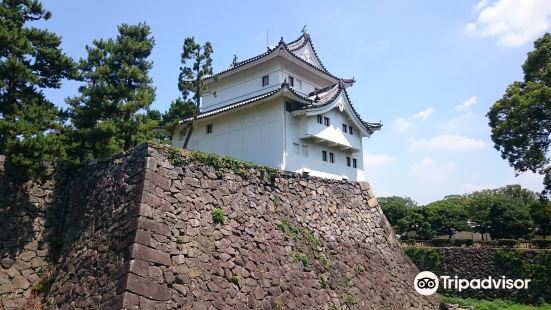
537 269
481 262
220 164
426 258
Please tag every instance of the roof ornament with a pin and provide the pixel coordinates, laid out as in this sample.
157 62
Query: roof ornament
281 41
317 98
304 30
285 83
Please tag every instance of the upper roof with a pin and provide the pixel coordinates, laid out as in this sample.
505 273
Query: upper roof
300 49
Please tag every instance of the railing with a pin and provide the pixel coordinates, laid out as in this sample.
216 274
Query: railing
469 243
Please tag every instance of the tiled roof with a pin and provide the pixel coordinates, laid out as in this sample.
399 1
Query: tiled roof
316 99
290 47
300 42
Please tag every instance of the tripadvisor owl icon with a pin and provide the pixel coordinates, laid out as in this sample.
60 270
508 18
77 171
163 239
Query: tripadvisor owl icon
426 283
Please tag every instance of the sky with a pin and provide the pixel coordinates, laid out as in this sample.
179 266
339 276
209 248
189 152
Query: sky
429 70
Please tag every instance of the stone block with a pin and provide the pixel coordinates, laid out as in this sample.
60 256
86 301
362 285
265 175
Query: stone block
144 287
149 255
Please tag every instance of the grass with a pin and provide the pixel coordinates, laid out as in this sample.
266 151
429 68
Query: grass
497 304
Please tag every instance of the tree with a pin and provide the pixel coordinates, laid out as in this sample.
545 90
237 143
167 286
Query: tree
31 127
179 109
448 215
521 119
509 220
540 211
191 79
111 113
398 212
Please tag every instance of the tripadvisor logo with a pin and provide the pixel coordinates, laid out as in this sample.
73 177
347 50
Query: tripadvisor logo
426 283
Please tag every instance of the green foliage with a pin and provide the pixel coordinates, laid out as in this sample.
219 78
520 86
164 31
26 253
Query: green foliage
179 109
218 216
537 269
426 258
196 66
507 243
221 164
299 257
399 212
38 287
542 244
496 304
448 216
111 114
235 280
540 211
520 119
32 129
509 221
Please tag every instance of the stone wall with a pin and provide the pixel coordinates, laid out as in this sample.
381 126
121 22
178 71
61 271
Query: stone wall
480 263
138 232
28 212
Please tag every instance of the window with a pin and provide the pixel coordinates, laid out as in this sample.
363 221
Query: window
291 81
344 128
350 130
348 161
320 119
326 121
296 148
209 128
265 80
324 155
305 150
331 157
354 163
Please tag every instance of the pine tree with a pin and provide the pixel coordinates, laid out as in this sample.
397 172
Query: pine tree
108 116
191 79
31 127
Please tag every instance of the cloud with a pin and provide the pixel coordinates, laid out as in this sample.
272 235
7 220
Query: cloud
467 104
446 142
423 115
403 124
513 22
377 160
463 121
427 170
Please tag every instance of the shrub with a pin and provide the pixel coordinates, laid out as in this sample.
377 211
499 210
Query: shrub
463 242
218 216
488 243
441 242
542 244
507 243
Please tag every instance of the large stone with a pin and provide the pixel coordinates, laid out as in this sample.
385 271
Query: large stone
144 287
149 255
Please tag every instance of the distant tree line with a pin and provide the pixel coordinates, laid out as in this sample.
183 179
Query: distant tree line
509 212
112 110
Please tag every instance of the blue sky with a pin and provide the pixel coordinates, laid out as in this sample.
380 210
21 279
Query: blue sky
429 70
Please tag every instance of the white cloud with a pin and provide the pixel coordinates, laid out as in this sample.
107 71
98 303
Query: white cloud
513 22
427 170
463 121
467 104
446 142
377 160
423 115
403 124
